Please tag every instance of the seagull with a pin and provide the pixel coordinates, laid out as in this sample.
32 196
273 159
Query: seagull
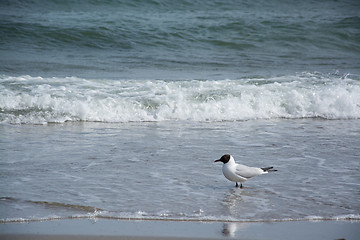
238 172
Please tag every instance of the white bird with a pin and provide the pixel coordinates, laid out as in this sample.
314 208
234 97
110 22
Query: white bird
238 172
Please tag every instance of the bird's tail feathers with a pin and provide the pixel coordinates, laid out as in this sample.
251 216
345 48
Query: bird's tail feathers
269 169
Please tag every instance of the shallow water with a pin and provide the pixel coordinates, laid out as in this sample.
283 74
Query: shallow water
166 171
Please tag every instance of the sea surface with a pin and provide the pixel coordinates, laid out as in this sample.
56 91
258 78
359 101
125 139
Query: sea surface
118 109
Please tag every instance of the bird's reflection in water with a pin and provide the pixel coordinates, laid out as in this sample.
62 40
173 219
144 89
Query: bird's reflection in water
235 198
245 204
239 204
230 229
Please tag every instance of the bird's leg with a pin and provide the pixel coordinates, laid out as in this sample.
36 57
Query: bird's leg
237 185
241 185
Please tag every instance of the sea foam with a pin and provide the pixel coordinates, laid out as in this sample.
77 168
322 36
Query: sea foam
37 100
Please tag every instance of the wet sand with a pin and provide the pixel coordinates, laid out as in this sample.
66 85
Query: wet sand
123 229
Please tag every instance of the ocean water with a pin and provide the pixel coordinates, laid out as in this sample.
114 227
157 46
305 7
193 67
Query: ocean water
179 40
118 109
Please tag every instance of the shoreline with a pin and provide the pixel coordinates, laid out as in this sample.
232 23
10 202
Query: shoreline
102 228
342 218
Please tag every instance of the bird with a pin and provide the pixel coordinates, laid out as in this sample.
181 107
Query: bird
240 173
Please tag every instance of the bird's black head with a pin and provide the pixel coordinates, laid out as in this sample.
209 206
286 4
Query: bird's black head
225 158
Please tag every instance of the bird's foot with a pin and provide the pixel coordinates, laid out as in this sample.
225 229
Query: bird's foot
241 186
237 185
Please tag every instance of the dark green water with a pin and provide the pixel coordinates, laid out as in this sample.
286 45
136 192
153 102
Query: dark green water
178 39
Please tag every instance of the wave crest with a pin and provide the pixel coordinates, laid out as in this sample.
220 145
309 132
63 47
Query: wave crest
37 100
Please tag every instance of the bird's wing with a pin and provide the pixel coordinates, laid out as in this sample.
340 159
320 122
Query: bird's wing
248 172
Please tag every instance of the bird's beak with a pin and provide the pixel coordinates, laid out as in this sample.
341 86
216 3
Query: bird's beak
217 160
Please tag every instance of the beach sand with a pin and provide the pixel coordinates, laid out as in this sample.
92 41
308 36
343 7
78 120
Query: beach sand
148 229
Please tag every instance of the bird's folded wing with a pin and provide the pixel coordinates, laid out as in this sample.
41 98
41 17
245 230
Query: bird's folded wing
248 172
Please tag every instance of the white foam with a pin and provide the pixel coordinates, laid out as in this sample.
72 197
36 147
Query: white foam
37 100
141 215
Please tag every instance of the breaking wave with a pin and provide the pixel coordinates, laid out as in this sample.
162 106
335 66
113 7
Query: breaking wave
38 100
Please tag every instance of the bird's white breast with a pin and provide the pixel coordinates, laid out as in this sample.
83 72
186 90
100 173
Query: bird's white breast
229 171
